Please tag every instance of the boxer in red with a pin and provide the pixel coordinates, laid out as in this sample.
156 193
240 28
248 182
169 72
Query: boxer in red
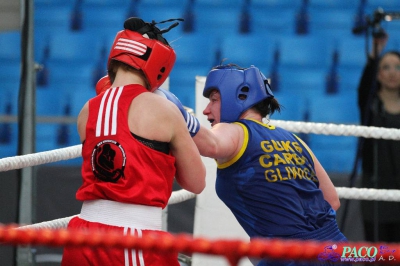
134 144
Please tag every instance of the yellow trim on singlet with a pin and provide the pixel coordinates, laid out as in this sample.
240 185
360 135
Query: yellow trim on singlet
307 148
242 149
261 123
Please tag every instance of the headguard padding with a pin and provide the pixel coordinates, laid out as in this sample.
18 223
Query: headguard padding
240 89
141 46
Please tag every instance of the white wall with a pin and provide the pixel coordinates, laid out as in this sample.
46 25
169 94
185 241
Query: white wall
10 15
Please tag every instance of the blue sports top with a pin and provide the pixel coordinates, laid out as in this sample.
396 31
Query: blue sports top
271 186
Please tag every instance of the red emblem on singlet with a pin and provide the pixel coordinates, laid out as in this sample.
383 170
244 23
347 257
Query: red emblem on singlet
108 161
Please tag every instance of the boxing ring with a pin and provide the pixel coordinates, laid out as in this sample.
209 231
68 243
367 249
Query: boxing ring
217 238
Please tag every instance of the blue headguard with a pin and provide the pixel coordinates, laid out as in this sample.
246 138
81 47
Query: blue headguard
240 89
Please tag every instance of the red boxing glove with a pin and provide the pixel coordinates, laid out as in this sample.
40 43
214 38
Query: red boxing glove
103 84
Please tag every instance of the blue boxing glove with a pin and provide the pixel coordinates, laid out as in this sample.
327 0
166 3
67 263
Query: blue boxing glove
192 122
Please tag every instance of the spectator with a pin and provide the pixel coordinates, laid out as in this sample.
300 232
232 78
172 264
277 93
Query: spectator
379 103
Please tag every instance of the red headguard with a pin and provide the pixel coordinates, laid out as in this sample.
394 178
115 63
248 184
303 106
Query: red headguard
142 46
103 84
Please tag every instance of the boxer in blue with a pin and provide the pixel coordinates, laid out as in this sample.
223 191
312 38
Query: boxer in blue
268 177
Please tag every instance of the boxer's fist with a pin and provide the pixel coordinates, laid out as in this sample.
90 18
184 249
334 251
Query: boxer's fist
192 122
103 84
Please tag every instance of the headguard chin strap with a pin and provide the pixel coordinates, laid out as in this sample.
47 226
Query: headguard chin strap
142 46
240 89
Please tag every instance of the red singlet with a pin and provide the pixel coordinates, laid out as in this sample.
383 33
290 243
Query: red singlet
125 184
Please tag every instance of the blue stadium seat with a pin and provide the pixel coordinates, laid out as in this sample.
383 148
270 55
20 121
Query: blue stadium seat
100 21
293 107
304 51
9 101
323 21
10 149
74 75
46 107
272 20
218 3
47 135
247 50
68 132
43 3
349 79
51 19
74 47
334 36
352 52
10 46
9 95
274 3
10 72
183 80
328 4
41 48
76 99
195 56
8 131
302 80
109 3
335 153
163 3
336 109
217 21
194 49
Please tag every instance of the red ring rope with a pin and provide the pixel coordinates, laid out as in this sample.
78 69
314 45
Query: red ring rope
233 250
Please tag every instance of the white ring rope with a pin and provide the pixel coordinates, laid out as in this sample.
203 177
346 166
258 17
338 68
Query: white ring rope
22 161
339 129
72 152
17 162
180 196
368 194
53 224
